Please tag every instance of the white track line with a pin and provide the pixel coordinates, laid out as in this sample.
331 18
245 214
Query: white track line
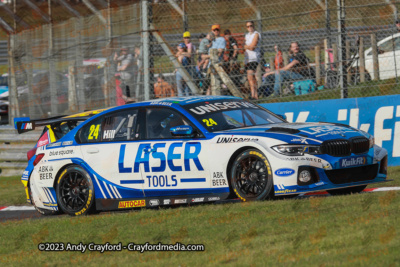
17 208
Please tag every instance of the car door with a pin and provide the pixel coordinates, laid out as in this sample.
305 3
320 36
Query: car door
172 165
109 146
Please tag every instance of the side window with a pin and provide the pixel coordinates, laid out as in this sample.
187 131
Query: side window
120 126
386 47
91 133
160 120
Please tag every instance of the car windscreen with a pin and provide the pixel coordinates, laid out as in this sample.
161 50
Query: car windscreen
230 114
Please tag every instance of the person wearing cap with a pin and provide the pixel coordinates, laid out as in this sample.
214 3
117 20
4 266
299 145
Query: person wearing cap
268 81
191 48
125 63
183 57
219 41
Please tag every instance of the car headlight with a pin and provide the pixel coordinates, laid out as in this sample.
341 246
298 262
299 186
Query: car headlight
297 150
371 141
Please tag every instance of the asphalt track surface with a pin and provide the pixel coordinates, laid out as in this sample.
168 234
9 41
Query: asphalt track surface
13 213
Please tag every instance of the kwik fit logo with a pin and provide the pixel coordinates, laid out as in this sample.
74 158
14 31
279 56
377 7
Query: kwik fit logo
353 162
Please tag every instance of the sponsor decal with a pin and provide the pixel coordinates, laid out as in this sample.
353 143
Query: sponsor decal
61 153
45 172
67 143
109 134
235 140
213 198
198 199
161 181
317 160
132 204
209 108
218 179
161 103
327 130
285 191
301 140
319 183
191 151
180 201
284 172
54 144
167 201
154 202
350 162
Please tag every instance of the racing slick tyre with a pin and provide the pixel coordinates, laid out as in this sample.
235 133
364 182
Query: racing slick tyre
75 191
44 212
346 191
251 177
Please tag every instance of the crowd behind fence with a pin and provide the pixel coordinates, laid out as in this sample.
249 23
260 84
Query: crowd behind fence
152 49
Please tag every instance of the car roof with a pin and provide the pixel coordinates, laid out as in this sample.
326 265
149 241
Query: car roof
188 99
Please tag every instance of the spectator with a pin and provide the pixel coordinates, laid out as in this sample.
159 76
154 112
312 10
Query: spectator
230 56
398 25
162 88
201 37
278 58
191 48
121 97
252 56
297 69
268 80
232 49
125 63
204 46
183 58
219 42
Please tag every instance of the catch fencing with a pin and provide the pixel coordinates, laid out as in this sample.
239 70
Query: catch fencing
75 63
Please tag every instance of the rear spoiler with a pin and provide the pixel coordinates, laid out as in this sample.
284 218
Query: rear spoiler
25 124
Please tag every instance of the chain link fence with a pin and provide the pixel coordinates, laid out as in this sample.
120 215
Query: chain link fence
132 52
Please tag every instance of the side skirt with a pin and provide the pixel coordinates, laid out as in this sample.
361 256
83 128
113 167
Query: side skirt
129 203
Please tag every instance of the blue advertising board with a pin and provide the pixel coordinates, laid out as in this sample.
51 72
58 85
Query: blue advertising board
379 116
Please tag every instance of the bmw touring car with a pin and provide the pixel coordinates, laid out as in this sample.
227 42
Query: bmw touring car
190 150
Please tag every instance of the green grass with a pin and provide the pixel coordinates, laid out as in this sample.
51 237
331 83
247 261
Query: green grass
12 191
348 230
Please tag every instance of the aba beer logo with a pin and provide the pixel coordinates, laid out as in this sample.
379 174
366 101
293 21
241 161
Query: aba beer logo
351 162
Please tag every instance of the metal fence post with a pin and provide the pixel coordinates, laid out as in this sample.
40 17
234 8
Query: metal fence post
52 67
375 61
362 60
146 48
342 47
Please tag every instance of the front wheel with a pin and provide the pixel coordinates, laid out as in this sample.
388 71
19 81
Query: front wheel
75 191
347 191
251 177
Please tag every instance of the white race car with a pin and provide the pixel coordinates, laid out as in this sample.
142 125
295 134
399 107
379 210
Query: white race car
190 150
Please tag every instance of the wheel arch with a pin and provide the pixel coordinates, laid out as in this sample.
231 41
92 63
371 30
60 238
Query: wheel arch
60 171
232 159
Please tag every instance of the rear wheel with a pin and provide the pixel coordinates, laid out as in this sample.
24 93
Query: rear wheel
75 191
251 177
348 190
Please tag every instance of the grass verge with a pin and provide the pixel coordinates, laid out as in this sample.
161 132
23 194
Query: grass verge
317 230
322 230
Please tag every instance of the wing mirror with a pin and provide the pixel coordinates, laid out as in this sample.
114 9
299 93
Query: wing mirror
181 130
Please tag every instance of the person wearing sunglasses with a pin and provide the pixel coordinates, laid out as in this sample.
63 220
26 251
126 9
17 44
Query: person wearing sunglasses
252 57
219 41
